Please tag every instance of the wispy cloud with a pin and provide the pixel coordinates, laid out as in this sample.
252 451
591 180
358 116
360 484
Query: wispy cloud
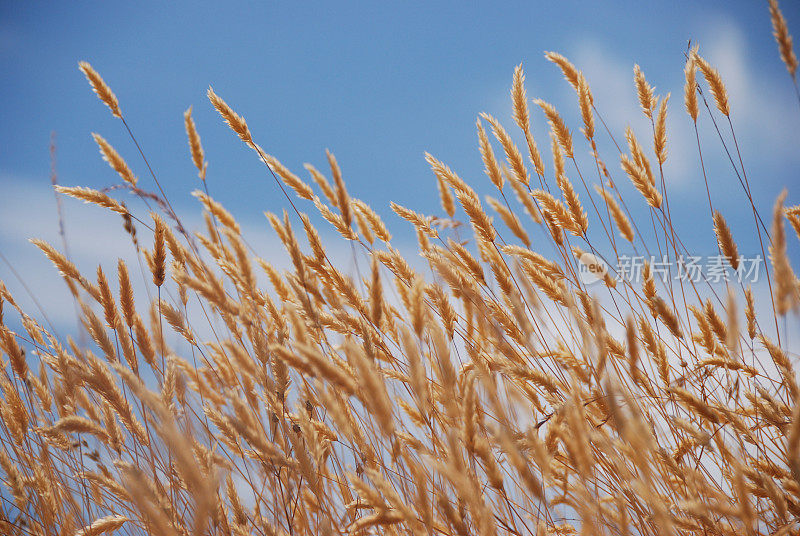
758 101
28 210
96 237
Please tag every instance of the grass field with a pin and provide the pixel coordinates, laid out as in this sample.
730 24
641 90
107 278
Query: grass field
543 362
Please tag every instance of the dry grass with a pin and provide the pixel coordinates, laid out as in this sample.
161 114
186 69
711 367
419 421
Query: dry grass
503 394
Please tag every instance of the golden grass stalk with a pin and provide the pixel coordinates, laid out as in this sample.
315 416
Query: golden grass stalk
725 240
157 259
586 101
101 88
492 169
504 393
88 195
660 135
641 181
480 221
646 92
715 82
235 121
66 267
750 313
218 211
374 220
522 118
793 215
578 214
620 219
116 162
74 424
558 212
294 182
781 32
511 220
342 198
103 525
558 126
690 88
519 99
15 354
513 154
571 74
195 147
787 293
336 220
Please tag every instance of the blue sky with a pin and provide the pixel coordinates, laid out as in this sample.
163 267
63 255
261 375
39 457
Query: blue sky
377 85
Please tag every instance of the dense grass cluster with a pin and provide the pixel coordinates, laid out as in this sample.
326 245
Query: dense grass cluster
490 388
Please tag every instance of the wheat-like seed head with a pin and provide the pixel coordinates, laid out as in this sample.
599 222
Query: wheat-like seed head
621 220
660 134
15 354
725 240
488 387
157 259
195 147
492 169
519 99
558 126
101 88
640 179
556 210
88 195
342 199
235 121
103 526
787 294
577 213
116 162
781 32
586 100
715 82
690 87
646 92
294 182
571 74
374 220
750 313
